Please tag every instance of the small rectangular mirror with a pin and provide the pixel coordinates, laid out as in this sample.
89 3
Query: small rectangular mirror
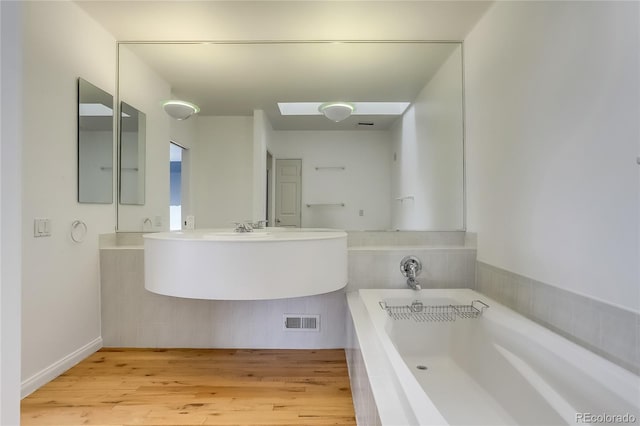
132 155
95 144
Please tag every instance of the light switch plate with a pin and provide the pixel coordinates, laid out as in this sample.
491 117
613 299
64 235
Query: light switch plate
41 227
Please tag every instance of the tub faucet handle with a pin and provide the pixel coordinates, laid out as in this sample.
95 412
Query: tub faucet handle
411 267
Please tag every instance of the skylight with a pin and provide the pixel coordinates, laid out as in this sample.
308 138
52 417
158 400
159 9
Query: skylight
97 110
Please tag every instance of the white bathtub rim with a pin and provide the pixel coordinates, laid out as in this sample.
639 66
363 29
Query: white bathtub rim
423 408
618 380
380 371
390 411
382 379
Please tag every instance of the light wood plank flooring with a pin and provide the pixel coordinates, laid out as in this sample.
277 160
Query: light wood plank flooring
197 387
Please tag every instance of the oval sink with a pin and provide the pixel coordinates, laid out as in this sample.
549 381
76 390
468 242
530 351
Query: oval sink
226 265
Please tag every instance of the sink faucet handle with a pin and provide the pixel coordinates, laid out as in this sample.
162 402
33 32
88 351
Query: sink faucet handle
243 227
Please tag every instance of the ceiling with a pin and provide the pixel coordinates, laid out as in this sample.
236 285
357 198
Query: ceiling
286 20
234 78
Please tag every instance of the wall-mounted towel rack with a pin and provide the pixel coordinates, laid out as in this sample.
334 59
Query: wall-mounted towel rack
325 205
124 169
78 231
406 197
330 168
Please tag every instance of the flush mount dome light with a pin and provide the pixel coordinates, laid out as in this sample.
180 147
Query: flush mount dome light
336 111
180 110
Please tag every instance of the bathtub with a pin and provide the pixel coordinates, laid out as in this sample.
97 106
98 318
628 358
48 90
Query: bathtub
498 368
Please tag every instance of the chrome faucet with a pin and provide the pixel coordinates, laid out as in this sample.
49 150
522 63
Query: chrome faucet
413 283
243 227
411 267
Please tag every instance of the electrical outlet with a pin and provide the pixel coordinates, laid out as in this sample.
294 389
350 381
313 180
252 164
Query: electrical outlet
360 212
190 222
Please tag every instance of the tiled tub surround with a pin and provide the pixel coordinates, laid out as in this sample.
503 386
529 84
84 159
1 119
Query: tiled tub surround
363 400
409 238
610 331
448 259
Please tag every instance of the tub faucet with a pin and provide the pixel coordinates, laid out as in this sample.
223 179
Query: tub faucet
413 283
411 267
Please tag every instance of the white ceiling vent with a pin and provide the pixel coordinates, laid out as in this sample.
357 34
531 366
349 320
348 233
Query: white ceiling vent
301 322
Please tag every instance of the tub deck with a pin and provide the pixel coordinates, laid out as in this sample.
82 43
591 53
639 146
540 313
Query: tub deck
497 369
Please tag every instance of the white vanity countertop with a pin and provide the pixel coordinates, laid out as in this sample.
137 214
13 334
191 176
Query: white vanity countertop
256 236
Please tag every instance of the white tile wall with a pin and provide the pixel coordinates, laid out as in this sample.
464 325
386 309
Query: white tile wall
406 238
452 267
135 317
607 330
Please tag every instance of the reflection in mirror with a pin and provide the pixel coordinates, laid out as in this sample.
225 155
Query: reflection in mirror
95 144
370 171
132 155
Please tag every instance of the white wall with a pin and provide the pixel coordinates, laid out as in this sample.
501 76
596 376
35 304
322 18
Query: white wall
262 135
222 171
10 218
144 90
363 185
61 279
552 107
427 143
184 133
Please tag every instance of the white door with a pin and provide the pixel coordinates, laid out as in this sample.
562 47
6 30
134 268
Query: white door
288 190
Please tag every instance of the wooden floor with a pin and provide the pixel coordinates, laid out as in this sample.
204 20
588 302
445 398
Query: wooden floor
197 387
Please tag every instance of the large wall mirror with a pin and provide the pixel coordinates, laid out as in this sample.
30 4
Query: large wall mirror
380 169
95 144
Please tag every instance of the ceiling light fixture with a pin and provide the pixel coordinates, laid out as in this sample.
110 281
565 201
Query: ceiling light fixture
336 111
180 110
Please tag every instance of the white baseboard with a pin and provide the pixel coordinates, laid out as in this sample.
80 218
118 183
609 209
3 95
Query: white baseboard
57 368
